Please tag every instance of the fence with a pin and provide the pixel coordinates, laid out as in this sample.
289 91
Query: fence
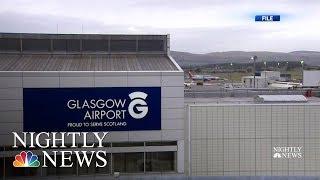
207 93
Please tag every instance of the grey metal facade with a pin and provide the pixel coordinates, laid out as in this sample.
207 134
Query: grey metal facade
238 139
83 43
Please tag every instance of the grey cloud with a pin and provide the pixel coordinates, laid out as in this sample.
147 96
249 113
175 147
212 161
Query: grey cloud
197 40
27 23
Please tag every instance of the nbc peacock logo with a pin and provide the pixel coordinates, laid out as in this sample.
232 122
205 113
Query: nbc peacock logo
26 159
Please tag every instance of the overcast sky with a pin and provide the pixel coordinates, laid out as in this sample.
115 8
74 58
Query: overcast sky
197 26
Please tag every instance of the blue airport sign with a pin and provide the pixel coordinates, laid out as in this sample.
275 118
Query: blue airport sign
267 18
91 109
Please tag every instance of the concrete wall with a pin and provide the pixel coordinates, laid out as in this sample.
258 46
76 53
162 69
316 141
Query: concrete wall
239 139
172 98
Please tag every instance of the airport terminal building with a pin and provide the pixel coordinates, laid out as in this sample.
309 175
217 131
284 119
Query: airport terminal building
129 86
37 69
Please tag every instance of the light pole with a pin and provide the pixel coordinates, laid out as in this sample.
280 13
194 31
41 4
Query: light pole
302 63
254 58
231 64
265 72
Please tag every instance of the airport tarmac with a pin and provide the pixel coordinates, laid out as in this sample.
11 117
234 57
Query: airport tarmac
219 91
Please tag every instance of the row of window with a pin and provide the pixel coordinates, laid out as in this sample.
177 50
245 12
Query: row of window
114 144
141 162
76 45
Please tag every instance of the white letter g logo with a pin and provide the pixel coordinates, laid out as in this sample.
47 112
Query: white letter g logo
138 102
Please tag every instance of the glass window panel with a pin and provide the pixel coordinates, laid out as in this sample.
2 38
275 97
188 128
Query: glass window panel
58 171
128 162
127 144
36 45
94 45
59 45
84 170
9 45
160 161
150 45
105 144
162 143
67 171
73 45
50 170
11 171
123 45
104 170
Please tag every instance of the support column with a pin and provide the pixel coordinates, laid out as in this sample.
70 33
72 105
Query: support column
180 156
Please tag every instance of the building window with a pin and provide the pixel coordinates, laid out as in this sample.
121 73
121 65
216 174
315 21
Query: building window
11 171
69 45
9 45
36 45
107 169
84 170
127 144
150 45
123 45
94 45
73 45
59 45
160 161
162 143
58 171
128 162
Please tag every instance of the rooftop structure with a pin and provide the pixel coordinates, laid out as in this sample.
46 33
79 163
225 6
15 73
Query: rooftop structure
85 52
40 73
10 62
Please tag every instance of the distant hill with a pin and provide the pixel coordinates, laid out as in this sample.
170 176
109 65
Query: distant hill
187 59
